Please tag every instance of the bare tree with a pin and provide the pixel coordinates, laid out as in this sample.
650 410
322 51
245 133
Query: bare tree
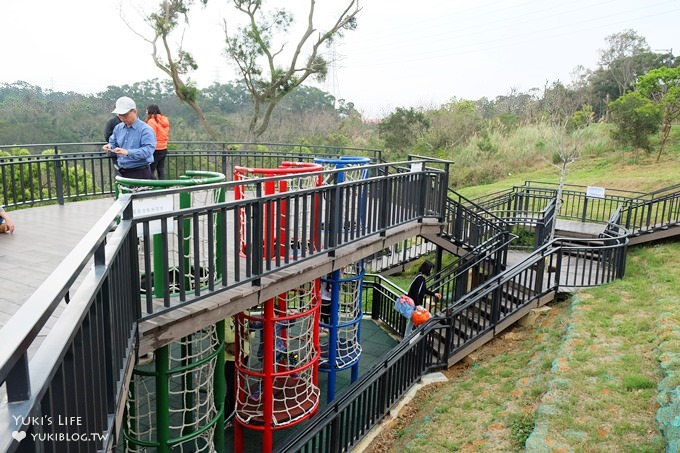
172 58
253 50
567 117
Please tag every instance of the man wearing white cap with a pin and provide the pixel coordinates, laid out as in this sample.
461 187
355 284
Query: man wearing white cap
133 141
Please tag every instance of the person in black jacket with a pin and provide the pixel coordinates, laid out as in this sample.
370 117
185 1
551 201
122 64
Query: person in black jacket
418 290
110 124
108 130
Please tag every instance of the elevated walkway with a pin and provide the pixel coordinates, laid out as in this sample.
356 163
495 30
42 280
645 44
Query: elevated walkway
43 237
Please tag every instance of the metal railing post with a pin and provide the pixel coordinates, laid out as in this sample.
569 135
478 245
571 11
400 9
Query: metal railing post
162 399
585 209
18 381
385 205
257 235
58 177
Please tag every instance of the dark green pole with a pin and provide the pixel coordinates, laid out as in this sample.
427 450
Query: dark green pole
162 400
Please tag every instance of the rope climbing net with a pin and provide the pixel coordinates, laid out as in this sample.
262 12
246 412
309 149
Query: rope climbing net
354 168
276 382
276 228
171 400
343 325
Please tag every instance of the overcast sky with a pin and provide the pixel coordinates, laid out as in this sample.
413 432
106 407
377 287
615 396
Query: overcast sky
403 53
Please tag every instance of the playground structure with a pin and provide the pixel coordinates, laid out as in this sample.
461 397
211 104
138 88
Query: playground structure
276 372
179 262
354 168
276 384
278 238
341 348
172 401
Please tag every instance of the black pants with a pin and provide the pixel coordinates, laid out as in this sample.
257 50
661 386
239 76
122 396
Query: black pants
136 173
159 163
230 397
325 311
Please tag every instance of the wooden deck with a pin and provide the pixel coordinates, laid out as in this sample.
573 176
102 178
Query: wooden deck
42 239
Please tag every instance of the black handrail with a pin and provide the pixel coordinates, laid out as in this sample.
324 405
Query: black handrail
103 333
73 171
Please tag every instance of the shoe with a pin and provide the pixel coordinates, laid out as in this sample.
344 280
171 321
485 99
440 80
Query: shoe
323 333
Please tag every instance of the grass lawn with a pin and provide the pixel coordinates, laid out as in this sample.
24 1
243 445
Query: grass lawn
591 374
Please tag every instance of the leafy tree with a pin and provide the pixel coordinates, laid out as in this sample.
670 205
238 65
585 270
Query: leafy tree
309 99
635 117
402 129
662 86
253 50
603 89
226 98
517 105
622 57
453 124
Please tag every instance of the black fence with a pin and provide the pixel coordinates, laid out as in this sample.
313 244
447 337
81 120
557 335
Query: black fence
49 173
347 419
82 367
84 362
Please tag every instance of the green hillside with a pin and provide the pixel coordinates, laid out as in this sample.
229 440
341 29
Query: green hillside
592 373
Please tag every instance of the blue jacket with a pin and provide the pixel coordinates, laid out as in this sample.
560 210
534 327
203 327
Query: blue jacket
138 139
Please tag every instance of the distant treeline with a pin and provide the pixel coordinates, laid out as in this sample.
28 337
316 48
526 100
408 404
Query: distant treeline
478 135
31 114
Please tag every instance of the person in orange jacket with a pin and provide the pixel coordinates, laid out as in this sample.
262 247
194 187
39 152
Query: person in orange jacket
161 126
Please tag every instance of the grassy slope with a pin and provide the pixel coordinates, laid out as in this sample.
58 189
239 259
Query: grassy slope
587 375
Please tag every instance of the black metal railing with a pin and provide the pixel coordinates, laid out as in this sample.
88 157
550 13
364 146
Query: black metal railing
55 173
90 349
396 257
347 419
98 327
469 224
292 226
648 215
643 212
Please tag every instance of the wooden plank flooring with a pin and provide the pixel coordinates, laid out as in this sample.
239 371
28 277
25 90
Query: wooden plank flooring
42 239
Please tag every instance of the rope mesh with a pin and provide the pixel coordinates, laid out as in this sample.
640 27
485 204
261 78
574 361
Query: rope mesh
191 402
347 346
292 393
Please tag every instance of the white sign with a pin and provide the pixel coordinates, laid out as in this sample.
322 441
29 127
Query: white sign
154 205
594 192
416 166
